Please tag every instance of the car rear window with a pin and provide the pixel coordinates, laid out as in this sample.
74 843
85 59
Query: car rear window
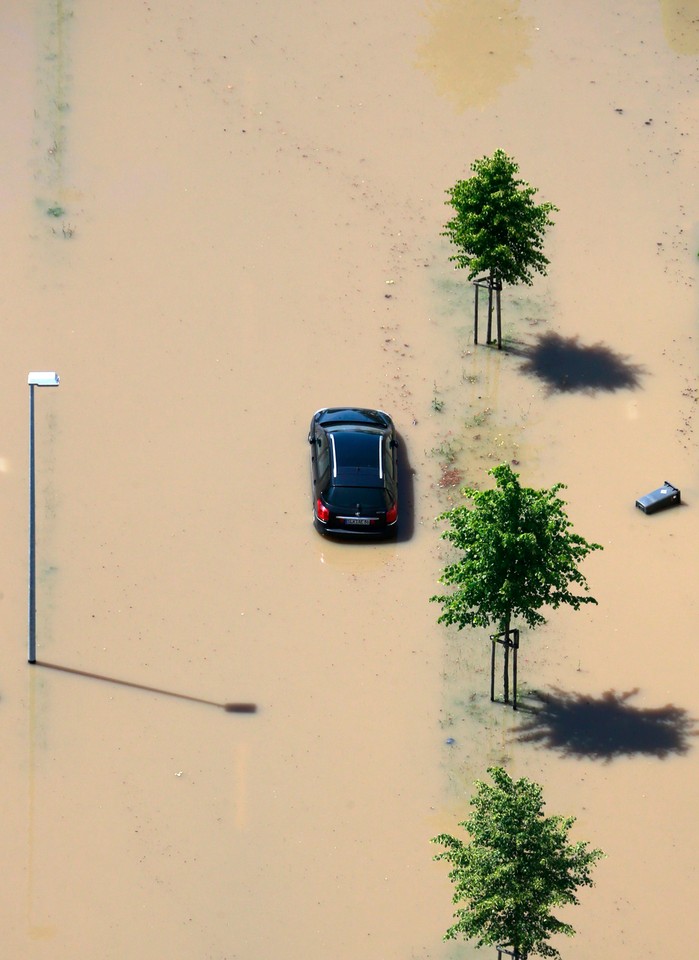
347 498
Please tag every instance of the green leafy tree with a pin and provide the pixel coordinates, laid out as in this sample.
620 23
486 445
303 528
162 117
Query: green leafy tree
517 555
517 867
497 228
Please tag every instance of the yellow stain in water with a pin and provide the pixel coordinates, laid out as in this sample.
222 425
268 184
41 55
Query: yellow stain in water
681 25
474 49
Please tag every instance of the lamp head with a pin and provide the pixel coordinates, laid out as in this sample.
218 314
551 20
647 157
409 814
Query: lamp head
43 378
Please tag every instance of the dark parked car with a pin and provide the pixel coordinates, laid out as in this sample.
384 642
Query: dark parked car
354 472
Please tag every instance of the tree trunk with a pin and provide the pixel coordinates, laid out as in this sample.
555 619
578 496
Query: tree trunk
477 291
498 290
506 671
489 334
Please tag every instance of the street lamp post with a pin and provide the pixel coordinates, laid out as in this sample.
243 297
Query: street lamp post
44 378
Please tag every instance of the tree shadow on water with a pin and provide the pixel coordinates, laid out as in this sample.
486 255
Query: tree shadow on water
604 727
566 366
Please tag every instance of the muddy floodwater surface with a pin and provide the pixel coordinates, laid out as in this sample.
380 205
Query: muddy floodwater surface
239 739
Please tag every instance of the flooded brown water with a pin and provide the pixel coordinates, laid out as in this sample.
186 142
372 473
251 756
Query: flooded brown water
218 218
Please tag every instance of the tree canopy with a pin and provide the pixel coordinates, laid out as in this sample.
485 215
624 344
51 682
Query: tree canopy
517 867
497 227
517 555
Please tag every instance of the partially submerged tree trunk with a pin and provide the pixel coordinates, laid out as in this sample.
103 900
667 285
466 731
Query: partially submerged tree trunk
498 290
494 285
509 638
506 668
489 335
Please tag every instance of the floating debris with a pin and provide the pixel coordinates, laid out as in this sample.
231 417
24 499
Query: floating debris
665 496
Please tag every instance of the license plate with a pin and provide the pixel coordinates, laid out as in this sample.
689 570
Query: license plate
358 521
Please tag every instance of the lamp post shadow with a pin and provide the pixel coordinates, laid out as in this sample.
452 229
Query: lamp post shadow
234 707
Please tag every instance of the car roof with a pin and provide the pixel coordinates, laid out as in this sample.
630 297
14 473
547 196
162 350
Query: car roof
357 457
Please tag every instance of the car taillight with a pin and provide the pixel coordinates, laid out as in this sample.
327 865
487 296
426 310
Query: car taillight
322 511
392 514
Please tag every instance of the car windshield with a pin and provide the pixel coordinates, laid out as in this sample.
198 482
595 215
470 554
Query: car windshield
348 498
